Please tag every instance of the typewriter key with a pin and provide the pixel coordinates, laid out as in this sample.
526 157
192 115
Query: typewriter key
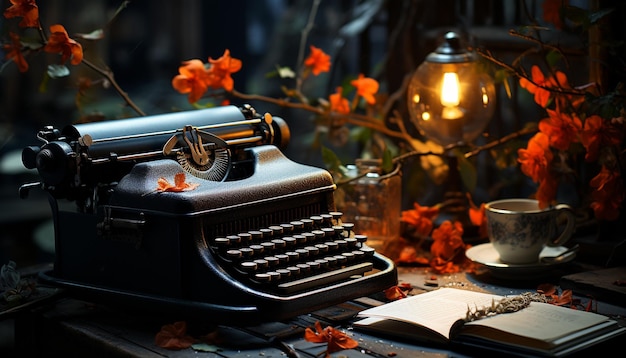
327 220
287 228
314 265
276 230
319 234
336 216
272 260
317 221
234 240
298 226
303 238
308 224
279 243
351 242
263 277
313 251
248 266
328 231
289 241
256 235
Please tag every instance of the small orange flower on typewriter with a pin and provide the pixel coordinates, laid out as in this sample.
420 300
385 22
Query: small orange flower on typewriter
14 52
338 103
318 61
221 69
421 217
60 42
26 9
536 158
179 184
174 336
366 87
192 79
336 340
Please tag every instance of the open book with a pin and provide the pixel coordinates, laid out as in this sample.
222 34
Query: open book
438 316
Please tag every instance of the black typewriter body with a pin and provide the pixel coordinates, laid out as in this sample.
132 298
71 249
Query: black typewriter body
257 240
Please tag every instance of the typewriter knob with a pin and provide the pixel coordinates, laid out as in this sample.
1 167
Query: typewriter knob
29 157
52 162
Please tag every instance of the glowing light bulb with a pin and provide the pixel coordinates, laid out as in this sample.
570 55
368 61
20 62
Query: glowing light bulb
450 90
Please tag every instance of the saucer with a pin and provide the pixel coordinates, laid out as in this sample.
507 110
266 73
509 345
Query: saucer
486 255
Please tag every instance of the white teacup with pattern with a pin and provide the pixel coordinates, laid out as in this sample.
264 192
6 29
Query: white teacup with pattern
519 230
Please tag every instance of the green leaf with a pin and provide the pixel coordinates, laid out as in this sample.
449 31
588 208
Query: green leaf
331 160
553 57
285 72
58 71
468 172
578 16
594 17
203 347
387 165
94 35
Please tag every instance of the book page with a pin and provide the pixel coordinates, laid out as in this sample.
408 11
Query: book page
542 321
437 310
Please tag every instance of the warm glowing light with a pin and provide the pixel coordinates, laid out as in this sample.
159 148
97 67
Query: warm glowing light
416 98
450 90
425 116
485 96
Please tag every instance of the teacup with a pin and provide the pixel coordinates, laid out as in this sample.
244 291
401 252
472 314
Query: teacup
519 230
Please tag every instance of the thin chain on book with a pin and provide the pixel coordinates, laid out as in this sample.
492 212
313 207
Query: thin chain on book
506 305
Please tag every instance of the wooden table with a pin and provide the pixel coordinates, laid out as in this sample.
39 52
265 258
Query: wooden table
70 327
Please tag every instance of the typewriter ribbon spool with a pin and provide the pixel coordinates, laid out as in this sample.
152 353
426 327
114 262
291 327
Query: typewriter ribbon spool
245 246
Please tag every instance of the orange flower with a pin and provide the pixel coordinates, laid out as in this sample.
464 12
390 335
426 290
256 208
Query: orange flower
540 85
478 218
318 61
536 158
366 87
552 11
546 193
336 340
448 248
192 79
26 9
394 293
221 69
338 103
562 129
179 184
447 239
421 217
597 133
14 52
174 336
608 194
60 42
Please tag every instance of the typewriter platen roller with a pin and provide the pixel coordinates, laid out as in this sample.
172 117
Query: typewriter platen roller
258 239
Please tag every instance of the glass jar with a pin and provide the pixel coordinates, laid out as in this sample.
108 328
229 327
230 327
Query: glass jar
372 201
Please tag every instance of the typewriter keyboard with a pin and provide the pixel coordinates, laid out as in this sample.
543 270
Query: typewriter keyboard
298 255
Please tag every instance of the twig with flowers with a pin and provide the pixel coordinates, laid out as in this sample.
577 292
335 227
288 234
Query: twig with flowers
582 121
56 42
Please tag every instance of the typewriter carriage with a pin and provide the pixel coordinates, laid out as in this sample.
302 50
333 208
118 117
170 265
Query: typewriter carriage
124 242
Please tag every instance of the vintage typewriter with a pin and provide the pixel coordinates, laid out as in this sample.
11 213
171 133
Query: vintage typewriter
258 239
